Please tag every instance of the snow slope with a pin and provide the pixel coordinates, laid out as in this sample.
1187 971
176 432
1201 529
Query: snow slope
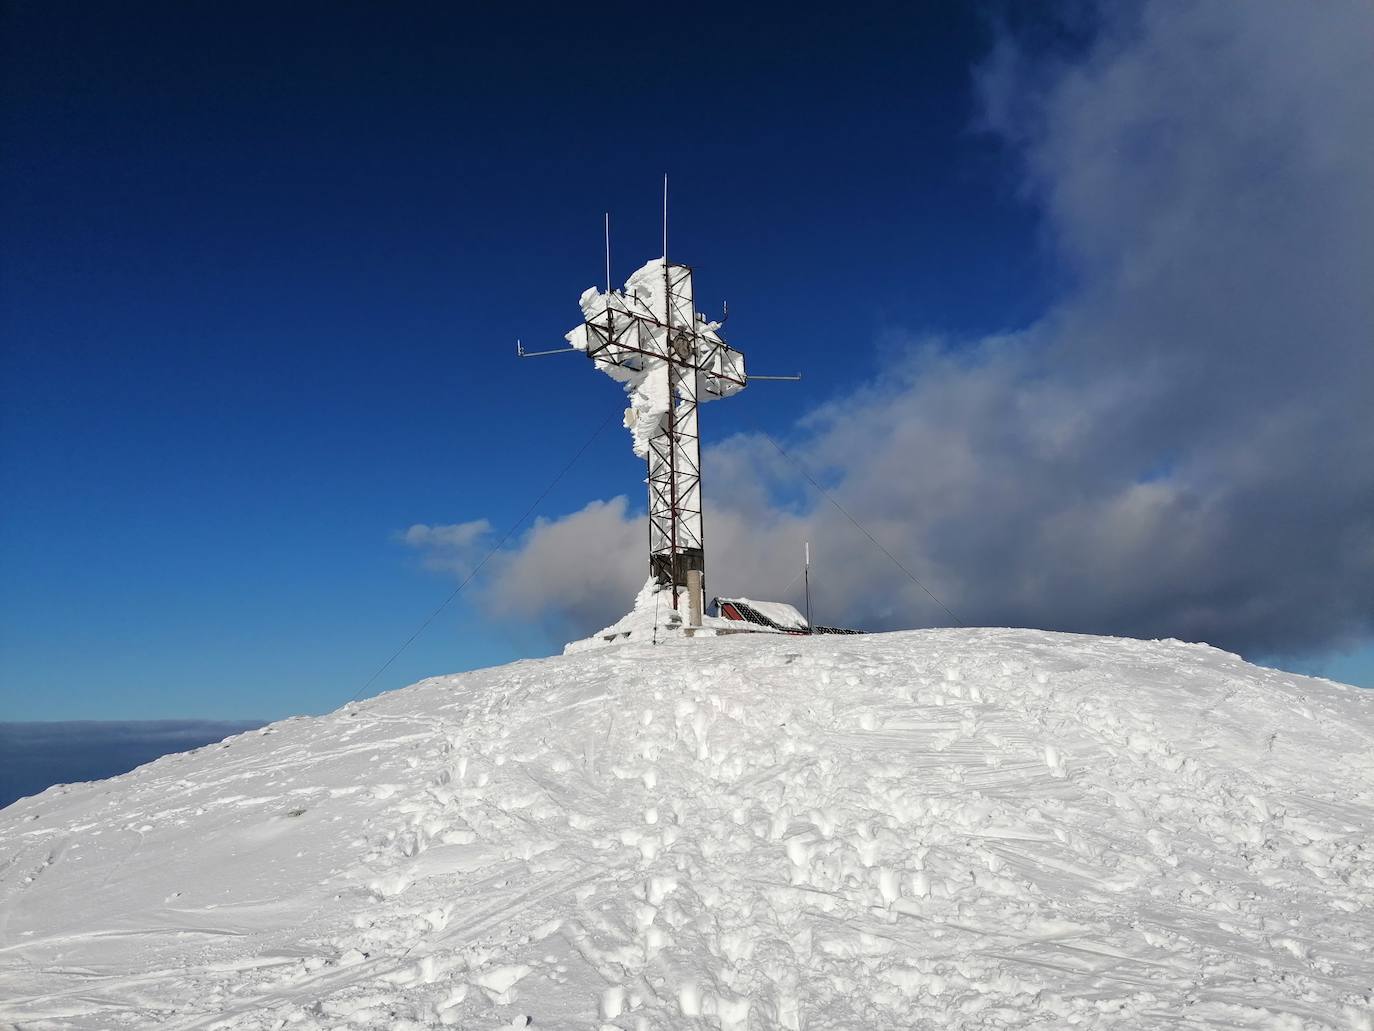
935 829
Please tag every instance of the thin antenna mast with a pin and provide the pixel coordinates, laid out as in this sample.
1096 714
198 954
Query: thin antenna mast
807 574
608 252
665 218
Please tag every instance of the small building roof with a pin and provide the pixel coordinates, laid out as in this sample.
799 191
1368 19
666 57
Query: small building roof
772 615
776 614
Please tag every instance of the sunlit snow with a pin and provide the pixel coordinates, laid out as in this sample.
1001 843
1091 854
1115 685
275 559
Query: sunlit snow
944 829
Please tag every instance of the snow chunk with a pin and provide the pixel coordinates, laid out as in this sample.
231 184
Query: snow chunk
652 618
636 359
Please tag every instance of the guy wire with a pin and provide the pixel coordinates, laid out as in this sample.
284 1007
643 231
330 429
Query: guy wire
478 568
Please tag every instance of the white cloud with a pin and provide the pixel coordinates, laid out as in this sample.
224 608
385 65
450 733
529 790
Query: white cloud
1183 446
568 572
590 562
456 548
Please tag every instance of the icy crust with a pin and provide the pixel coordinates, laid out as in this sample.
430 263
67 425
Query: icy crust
966 829
644 375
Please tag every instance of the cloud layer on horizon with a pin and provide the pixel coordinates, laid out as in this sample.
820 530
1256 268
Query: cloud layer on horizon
37 755
1181 447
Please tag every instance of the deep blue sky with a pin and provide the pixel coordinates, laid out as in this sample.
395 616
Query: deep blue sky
264 267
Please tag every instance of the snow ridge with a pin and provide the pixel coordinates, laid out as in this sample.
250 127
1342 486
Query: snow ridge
954 829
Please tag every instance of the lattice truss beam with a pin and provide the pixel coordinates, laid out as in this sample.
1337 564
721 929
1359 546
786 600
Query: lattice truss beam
671 359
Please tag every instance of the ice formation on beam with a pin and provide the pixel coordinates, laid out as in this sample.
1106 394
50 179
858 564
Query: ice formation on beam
640 362
650 337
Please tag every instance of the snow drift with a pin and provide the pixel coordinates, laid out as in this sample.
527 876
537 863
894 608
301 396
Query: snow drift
652 619
954 829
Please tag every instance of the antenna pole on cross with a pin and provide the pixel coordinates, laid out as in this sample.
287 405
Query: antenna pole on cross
520 351
807 577
608 252
665 218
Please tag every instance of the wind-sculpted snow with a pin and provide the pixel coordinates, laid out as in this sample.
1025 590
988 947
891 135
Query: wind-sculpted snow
941 829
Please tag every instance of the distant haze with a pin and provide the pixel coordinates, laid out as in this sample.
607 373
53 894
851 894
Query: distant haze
35 756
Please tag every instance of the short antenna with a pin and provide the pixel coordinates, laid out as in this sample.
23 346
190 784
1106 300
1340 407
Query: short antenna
608 252
665 218
807 568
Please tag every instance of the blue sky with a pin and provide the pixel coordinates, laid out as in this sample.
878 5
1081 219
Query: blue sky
264 267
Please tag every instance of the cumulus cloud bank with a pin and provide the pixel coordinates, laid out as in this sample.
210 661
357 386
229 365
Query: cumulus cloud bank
1183 446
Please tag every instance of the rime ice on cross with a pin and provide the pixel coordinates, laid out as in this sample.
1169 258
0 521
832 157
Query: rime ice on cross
650 337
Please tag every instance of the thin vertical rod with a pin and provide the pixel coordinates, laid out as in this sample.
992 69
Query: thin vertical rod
608 252
672 405
807 576
665 219
696 441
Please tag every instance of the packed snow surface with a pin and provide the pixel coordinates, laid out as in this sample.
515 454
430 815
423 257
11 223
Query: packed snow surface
935 829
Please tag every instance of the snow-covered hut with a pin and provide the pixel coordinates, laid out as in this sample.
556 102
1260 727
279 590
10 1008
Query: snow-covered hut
771 615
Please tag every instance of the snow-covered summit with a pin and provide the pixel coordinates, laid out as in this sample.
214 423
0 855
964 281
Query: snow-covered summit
953 829
652 618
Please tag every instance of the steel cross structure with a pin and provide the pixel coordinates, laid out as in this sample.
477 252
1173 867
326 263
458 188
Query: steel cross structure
671 359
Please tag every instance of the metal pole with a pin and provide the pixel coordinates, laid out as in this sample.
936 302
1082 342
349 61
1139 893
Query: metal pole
807 577
694 597
696 439
672 404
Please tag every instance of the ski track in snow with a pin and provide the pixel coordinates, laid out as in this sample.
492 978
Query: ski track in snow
952 829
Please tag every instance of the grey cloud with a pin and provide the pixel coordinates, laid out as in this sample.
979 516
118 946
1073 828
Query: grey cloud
1182 446
567 572
584 562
